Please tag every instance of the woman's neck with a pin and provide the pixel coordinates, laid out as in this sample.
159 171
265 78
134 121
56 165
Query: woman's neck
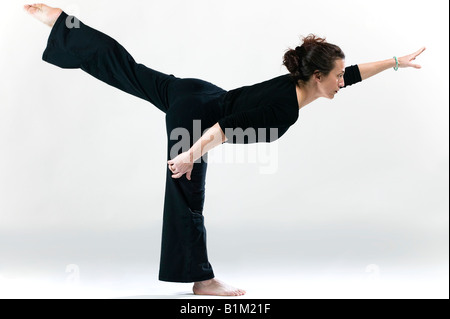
305 95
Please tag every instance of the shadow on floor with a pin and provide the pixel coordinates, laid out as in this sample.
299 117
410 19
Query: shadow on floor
182 295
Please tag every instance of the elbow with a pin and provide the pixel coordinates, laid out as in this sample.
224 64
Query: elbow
223 137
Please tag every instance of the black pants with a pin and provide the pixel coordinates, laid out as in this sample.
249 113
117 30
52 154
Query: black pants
183 254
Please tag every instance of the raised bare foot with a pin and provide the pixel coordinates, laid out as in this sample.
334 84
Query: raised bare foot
43 13
215 287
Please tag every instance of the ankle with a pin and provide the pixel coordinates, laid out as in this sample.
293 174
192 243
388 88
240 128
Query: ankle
57 13
204 283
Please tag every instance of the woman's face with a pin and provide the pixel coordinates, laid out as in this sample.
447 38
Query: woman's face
330 85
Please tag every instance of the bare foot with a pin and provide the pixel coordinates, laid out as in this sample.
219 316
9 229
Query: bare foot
215 287
43 13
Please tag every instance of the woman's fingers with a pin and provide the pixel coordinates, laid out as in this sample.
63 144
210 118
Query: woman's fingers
419 52
405 62
177 174
179 167
180 174
414 56
174 171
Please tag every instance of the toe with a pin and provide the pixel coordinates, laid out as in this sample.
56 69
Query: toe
31 9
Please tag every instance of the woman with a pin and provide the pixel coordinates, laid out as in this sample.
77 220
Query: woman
258 113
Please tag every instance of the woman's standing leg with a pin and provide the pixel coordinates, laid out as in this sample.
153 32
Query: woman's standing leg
194 109
184 255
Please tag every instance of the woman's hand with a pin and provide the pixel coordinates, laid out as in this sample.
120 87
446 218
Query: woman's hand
405 62
182 164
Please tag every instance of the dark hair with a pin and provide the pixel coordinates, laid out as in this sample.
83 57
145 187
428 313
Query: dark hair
315 54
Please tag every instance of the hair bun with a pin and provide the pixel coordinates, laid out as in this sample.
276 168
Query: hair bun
301 51
292 61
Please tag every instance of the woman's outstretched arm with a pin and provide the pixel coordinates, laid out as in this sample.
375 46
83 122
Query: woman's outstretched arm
370 69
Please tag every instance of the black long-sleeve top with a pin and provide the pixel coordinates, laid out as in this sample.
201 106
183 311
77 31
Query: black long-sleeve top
252 111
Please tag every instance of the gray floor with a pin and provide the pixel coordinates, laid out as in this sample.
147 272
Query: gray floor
283 263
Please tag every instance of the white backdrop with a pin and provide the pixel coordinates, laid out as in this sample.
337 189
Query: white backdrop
361 182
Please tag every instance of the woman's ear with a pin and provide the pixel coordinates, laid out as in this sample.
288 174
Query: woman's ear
318 76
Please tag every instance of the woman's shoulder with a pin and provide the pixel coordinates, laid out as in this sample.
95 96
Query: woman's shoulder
281 80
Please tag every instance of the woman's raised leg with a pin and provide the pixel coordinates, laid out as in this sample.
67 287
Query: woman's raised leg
72 44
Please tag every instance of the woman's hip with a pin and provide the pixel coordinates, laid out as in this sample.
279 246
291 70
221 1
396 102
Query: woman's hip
194 103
